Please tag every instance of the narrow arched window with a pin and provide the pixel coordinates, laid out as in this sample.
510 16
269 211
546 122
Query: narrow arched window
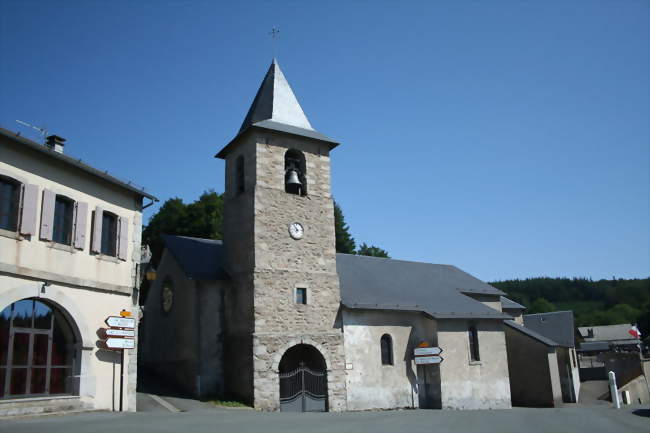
241 177
295 172
9 203
386 350
473 344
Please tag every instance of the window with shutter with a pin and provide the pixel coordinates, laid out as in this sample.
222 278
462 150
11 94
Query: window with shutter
109 234
62 226
9 203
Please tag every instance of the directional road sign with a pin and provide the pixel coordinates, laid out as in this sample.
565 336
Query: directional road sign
427 351
120 322
120 343
428 360
120 332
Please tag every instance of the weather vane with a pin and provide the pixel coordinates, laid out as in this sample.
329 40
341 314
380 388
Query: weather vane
275 34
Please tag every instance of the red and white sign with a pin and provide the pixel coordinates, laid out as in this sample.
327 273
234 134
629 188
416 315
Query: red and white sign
634 332
420 360
120 322
120 343
427 351
111 332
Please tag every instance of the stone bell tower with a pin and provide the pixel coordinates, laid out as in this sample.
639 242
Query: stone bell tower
280 248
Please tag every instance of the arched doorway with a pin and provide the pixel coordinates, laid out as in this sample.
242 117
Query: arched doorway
303 380
38 350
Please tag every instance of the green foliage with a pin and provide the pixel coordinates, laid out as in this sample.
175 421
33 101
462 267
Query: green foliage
229 403
201 219
594 303
541 305
371 250
344 240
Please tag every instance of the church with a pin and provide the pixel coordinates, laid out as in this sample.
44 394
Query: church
272 316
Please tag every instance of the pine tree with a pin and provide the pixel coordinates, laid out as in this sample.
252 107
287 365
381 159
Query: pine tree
344 241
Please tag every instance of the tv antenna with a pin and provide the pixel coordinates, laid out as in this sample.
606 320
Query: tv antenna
42 131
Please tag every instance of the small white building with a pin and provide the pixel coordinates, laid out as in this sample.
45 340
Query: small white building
69 255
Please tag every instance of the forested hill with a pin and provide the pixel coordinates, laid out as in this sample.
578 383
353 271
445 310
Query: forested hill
603 302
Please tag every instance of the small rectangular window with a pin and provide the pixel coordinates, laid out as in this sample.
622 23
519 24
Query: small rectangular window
62 227
301 295
109 234
473 344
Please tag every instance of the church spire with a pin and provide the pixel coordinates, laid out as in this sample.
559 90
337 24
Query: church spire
275 108
276 102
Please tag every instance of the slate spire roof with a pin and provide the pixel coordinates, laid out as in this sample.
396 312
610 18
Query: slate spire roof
275 101
276 108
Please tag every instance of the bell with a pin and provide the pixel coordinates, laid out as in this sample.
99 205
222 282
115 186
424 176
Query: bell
293 178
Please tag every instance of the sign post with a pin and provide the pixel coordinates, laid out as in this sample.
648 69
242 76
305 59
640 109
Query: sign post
427 355
121 336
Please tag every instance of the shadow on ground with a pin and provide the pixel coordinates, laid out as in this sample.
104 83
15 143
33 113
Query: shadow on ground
642 412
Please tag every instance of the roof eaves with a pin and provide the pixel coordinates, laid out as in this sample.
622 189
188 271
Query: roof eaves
76 163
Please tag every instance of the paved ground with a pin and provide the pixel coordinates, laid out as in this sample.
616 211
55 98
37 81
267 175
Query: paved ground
207 419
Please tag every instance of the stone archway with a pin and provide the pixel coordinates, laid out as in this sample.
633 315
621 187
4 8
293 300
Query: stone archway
303 380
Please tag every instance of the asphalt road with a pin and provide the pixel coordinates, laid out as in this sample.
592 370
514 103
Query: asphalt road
519 420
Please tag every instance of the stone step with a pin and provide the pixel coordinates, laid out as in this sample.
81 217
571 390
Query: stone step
41 405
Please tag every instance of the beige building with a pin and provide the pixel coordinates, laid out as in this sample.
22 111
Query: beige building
69 255
279 320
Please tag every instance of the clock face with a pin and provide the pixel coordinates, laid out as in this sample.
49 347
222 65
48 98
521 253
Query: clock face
167 298
296 231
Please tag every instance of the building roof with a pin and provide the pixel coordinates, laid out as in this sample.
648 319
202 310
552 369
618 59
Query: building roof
607 332
200 259
557 326
74 162
509 304
537 336
388 284
276 108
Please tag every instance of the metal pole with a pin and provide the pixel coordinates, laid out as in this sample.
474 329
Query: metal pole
613 390
121 377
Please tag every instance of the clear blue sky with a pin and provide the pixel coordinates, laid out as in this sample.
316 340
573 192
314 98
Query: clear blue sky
509 138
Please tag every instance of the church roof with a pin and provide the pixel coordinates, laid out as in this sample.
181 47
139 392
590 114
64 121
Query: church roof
537 336
276 108
509 304
557 325
200 259
388 284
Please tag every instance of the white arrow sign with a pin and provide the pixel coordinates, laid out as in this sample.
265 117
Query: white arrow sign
120 322
427 351
120 343
120 332
428 360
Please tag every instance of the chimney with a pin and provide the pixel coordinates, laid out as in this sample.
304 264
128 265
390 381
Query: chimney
55 143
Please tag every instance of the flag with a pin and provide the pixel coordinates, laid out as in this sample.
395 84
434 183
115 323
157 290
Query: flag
634 332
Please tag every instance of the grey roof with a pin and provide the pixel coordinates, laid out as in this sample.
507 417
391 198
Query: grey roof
276 108
539 337
200 259
558 326
607 332
74 162
509 304
387 284
275 101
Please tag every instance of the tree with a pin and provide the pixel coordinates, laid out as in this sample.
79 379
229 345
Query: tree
201 219
366 250
541 305
344 240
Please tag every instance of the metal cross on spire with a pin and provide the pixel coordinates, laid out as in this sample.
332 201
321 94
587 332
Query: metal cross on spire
275 35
